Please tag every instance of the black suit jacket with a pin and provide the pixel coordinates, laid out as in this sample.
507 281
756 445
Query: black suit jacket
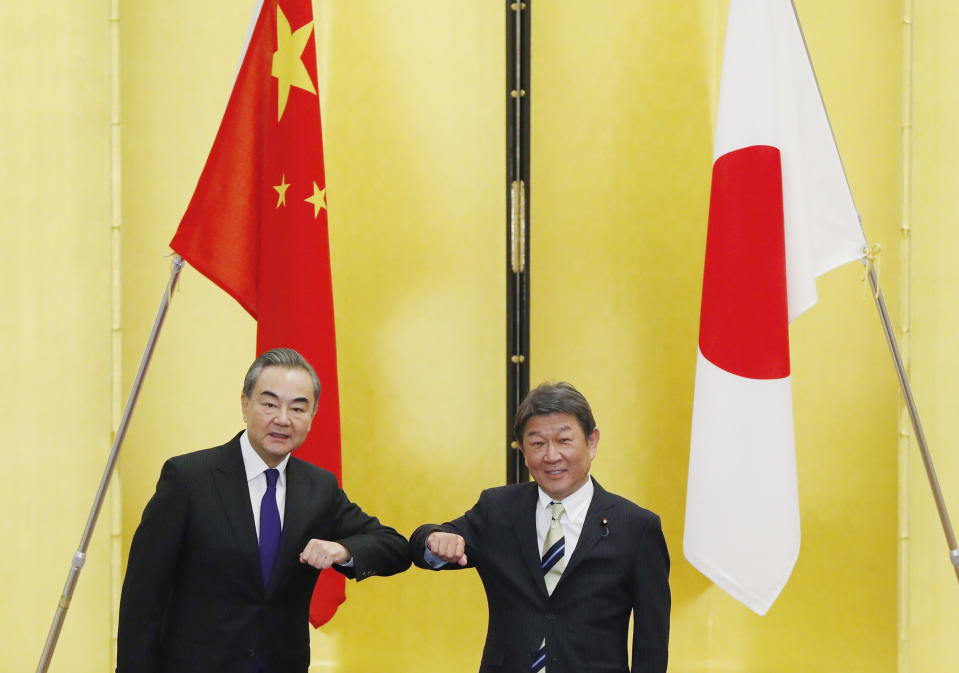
618 567
193 599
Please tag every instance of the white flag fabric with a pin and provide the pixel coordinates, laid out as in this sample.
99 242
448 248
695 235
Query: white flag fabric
780 214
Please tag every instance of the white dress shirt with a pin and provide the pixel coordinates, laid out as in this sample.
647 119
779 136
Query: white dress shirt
575 506
256 480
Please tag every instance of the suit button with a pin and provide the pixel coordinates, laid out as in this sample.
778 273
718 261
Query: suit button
250 654
550 616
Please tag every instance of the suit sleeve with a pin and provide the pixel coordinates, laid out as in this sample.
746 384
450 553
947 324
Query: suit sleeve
651 600
471 526
376 549
150 574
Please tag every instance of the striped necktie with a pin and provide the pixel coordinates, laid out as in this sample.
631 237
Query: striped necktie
552 564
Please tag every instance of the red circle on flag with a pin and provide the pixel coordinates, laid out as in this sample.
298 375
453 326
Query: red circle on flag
744 326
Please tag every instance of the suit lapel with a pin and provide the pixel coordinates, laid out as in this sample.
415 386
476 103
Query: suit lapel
229 480
295 519
592 529
524 527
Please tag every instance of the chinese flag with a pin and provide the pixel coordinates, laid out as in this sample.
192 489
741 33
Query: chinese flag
257 223
780 215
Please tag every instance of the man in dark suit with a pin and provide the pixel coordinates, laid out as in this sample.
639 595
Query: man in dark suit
563 561
223 563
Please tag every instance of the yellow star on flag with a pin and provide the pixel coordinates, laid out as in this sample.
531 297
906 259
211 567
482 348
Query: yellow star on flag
288 67
281 190
318 200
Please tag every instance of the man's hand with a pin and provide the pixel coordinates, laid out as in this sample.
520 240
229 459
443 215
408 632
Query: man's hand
447 546
321 554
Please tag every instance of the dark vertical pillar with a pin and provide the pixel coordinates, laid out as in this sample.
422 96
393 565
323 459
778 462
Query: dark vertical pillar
517 230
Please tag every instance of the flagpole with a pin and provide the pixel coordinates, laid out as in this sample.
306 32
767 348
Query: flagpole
914 415
904 384
80 556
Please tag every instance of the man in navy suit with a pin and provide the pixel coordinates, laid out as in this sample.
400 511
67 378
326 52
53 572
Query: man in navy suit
223 563
563 561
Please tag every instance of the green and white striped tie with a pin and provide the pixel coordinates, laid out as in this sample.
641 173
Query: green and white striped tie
552 563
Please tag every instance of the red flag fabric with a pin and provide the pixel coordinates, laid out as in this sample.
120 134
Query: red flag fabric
780 214
257 223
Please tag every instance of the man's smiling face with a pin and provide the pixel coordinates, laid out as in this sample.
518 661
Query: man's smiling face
558 453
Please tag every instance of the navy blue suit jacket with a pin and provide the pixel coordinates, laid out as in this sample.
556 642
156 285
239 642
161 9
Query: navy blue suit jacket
618 568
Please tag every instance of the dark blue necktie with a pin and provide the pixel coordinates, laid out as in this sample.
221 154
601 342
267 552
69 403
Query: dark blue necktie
269 526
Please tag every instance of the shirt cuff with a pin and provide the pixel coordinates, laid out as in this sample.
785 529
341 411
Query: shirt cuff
432 560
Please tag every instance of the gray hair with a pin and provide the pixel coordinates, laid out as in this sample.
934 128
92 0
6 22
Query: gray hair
280 357
553 398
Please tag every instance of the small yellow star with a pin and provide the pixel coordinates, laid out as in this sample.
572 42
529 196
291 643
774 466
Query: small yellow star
288 67
318 200
281 190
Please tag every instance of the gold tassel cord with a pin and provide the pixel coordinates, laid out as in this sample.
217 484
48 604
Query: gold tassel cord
870 256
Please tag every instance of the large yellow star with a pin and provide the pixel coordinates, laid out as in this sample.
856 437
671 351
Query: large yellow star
288 67
281 190
318 200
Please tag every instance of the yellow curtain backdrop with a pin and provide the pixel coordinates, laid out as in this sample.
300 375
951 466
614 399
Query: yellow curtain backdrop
929 596
56 294
623 107
624 101
413 131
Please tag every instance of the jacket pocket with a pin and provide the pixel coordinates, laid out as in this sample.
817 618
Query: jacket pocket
186 651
